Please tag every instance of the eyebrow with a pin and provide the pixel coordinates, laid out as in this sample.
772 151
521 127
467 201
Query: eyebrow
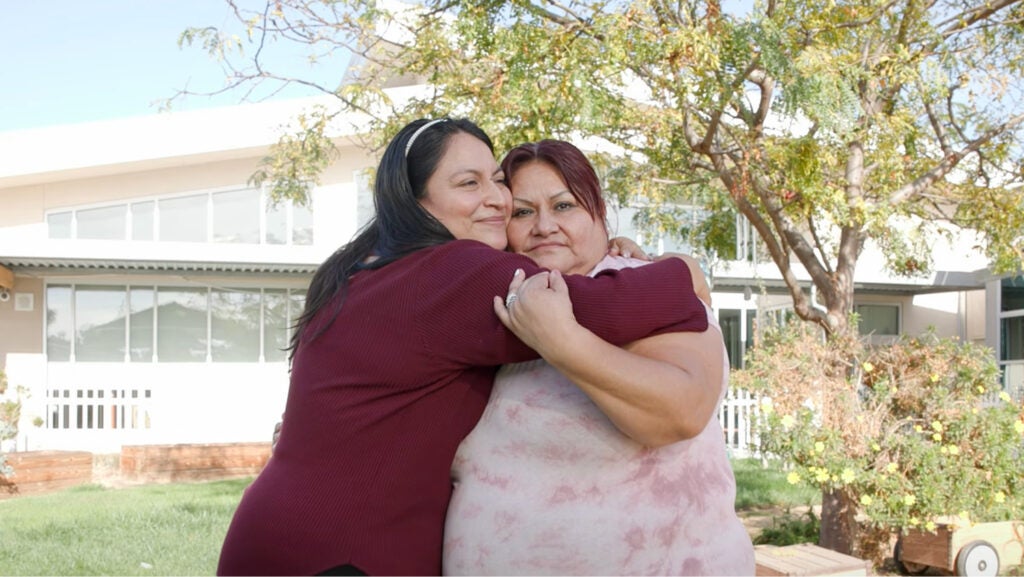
552 197
472 171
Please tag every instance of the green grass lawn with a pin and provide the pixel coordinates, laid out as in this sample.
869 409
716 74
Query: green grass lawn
177 529
172 529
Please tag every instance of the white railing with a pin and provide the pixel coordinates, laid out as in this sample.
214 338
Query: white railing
98 408
736 416
101 418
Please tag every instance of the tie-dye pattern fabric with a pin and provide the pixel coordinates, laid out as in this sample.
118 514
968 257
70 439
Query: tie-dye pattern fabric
546 485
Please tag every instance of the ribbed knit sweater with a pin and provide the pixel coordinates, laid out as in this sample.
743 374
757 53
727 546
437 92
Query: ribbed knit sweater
379 402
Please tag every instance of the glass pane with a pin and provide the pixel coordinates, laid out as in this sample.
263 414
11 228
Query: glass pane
879 319
1012 294
59 225
729 320
107 223
183 219
1011 339
142 220
181 324
302 224
236 216
275 325
140 330
277 224
235 325
99 323
59 323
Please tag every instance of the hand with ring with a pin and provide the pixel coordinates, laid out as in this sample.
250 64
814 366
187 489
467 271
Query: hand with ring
542 314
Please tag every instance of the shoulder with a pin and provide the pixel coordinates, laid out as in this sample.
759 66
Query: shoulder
468 254
617 263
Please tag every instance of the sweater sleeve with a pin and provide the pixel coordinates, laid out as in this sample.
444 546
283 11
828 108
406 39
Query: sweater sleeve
620 306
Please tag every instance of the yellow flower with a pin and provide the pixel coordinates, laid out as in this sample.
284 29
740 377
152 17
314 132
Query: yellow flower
868 367
876 447
937 436
981 390
1005 397
965 516
895 389
1019 427
848 475
937 426
819 447
865 500
909 500
822 475
935 378
929 526
793 478
974 411
788 421
1000 497
944 450
918 428
891 467
914 521
766 406
954 450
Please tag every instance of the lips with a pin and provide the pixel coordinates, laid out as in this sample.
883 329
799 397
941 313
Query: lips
494 220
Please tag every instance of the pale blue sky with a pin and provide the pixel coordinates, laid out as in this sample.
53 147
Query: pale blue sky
72 61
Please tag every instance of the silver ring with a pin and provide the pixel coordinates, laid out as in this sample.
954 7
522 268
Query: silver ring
511 298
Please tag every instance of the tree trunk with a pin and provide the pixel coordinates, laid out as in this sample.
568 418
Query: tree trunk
838 521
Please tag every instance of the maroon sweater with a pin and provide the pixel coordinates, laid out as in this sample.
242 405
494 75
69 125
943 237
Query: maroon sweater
380 401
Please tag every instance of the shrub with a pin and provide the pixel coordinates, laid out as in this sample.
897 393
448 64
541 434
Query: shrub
911 432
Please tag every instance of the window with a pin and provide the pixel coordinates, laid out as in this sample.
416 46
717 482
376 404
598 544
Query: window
881 320
59 323
236 216
302 224
59 225
143 224
169 324
232 216
183 219
181 324
736 343
106 223
140 324
100 323
235 325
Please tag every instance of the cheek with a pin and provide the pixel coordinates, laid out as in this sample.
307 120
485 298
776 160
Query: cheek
517 232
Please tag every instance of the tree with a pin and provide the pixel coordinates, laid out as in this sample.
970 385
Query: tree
820 122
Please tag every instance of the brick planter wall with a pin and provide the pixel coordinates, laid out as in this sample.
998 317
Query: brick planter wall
44 471
163 463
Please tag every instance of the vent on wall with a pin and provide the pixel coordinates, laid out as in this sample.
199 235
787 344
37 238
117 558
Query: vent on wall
24 302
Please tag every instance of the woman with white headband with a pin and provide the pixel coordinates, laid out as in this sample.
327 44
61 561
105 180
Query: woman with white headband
394 357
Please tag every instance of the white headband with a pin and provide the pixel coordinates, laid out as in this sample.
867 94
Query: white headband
408 145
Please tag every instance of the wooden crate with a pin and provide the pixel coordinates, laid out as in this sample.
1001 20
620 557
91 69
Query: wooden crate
806 559
45 471
197 462
940 549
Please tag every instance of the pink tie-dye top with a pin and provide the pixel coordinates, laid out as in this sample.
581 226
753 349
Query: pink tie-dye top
545 484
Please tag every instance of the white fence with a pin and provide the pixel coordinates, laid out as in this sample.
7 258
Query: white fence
737 415
103 418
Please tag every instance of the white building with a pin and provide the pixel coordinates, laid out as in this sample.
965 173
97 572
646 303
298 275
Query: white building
151 288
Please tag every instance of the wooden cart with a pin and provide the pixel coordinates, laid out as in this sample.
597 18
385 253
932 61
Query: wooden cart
981 549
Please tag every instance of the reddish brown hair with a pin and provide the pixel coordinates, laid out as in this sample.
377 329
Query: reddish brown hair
570 162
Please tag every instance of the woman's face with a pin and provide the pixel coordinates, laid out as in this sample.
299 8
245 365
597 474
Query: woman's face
549 225
468 194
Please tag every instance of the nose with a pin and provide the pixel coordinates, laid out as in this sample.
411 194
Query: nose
498 196
545 223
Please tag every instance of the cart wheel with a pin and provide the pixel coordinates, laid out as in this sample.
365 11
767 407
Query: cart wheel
977 558
906 567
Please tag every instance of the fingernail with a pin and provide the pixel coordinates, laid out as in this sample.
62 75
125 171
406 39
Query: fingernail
626 254
518 272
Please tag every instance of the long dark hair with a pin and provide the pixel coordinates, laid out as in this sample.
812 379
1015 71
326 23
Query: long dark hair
400 226
570 162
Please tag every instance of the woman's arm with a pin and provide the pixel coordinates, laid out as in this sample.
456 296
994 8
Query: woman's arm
456 324
657 391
